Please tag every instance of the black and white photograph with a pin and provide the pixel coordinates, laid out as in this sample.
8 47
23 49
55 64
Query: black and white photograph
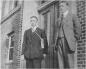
42 34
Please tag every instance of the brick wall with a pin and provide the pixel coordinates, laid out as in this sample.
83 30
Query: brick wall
81 53
11 22
17 27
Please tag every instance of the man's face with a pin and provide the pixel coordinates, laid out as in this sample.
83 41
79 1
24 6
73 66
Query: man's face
33 22
63 7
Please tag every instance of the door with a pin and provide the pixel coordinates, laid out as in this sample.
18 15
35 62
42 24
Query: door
48 17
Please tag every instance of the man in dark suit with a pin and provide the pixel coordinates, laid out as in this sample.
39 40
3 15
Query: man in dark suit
69 31
32 50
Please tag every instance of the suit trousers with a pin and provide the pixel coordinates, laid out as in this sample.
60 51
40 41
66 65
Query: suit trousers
33 63
66 60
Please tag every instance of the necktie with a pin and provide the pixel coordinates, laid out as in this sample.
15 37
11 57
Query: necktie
61 20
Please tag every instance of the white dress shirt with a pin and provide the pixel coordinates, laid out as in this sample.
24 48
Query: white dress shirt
33 29
65 13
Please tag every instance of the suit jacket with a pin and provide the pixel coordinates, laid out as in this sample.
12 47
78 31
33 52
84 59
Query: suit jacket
72 30
31 47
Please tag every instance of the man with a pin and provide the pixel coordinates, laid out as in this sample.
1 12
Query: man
32 50
69 31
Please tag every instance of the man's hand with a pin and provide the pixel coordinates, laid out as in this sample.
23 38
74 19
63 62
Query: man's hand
44 55
22 57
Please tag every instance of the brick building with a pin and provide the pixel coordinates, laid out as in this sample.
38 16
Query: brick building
15 20
11 22
81 48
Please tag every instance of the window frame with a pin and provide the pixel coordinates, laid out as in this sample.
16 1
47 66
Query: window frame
9 47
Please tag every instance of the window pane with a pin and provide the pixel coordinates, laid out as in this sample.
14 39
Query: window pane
7 43
11 54
6 8
12 41
16 4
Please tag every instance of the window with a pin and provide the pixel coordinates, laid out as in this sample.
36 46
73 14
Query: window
15 3
10 47
5 8
8 6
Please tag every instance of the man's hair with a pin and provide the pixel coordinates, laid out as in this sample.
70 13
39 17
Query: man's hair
34 17
65 2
